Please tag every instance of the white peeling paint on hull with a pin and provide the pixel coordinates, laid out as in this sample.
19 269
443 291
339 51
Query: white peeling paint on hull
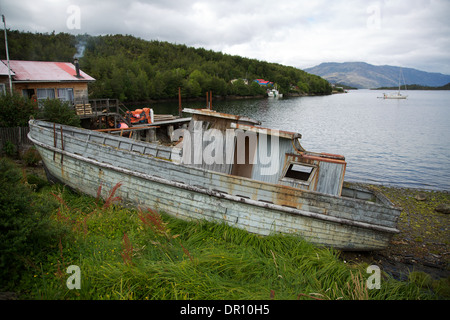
189 205
190 202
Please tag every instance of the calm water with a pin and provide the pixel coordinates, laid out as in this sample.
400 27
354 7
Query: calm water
395 142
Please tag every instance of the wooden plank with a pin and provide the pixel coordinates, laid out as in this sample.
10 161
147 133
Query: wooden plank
82 109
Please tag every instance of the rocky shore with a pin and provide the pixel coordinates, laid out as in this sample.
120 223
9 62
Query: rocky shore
423 244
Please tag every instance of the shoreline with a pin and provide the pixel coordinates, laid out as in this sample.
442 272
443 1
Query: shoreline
390 185
423 243
221 98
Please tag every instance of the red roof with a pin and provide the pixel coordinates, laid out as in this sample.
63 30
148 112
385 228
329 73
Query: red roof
45 71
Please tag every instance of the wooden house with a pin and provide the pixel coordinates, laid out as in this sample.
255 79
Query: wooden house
46 79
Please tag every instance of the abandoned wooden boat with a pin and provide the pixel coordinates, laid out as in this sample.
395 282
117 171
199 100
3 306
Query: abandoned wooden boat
257 179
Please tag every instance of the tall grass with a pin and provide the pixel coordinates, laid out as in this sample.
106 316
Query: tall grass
142 254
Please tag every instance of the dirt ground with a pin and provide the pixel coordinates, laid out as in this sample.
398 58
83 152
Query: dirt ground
423 243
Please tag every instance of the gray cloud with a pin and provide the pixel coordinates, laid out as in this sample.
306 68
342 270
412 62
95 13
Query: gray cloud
300 33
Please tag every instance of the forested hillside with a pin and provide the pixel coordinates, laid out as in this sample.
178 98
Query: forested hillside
132 69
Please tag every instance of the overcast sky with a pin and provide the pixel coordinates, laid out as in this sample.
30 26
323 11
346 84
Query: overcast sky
407 33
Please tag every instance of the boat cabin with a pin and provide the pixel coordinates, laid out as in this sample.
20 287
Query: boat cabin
238 146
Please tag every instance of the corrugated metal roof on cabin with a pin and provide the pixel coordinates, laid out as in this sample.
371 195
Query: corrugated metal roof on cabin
4 69
46 71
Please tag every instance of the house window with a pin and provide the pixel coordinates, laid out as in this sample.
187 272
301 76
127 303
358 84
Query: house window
65 94
43 94
28 93
2 88
299 172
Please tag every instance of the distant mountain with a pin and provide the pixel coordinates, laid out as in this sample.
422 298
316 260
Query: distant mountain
366 76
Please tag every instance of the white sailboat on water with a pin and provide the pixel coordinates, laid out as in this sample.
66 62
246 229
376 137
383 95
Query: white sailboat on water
398 94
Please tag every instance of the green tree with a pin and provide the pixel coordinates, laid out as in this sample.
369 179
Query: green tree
142 84
191 88
256 89
240 88
201 78
303 87
217 86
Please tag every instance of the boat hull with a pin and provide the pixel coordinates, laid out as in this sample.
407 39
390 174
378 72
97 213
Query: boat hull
401 97
81 165
394 96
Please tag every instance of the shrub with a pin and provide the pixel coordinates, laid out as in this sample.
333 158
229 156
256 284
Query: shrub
9 149
25 227
31 157
54 110
36 183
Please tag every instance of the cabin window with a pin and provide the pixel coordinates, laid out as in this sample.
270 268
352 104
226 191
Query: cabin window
299 172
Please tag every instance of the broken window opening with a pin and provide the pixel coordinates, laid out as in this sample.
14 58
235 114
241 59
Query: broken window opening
299 172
